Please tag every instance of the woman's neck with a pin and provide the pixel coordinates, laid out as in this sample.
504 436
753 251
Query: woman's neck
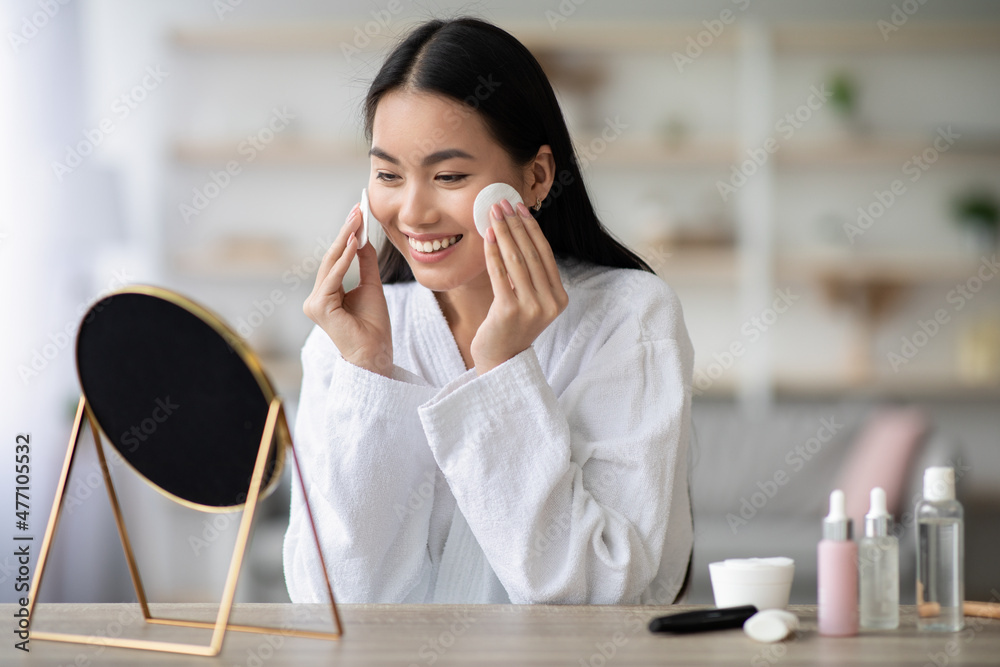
465 307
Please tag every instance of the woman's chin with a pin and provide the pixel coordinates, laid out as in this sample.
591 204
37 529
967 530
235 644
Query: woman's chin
444 278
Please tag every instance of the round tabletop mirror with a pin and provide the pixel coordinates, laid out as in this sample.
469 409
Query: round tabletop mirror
179 395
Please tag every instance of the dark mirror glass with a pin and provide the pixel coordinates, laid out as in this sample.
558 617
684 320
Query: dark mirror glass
178 394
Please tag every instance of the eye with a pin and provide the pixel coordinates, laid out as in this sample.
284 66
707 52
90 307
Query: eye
384 176
452 178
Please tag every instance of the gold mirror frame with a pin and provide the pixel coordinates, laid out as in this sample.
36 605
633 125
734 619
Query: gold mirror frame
249 358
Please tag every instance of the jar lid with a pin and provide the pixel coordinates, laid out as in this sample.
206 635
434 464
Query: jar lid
775 570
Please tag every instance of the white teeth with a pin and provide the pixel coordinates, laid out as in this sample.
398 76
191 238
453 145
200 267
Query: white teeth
436 244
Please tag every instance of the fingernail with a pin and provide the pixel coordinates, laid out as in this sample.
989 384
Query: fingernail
507 208
523 210
497 211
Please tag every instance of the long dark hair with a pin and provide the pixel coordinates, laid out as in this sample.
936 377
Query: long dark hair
483 66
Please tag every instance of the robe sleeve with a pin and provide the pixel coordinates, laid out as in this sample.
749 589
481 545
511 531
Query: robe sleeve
571 497
370 479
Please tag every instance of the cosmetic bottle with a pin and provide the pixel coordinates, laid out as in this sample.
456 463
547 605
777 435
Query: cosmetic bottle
837 570
940 554
878 567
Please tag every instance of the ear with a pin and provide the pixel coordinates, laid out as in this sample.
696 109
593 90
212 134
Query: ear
540 173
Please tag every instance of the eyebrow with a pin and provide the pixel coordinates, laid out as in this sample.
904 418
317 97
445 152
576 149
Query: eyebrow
433 158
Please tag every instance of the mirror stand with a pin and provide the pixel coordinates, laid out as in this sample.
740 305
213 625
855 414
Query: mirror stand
276 424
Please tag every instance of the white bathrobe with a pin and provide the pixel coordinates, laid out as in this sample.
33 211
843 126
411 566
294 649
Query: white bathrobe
560 476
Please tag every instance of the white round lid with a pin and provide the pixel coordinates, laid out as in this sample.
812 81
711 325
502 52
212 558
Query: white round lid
939 483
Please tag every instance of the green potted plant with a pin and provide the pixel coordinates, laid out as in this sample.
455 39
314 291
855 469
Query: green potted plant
844 94
844 101
978 213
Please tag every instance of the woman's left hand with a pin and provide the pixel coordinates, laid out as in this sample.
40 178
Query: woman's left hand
528 293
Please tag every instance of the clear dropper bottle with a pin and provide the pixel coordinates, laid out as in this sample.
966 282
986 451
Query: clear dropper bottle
878 565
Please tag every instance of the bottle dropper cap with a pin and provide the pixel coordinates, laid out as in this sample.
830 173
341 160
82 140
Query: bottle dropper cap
836 525
878 521
939 483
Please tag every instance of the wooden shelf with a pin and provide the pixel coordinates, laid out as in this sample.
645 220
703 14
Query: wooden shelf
866 38
722 264
726 387
249 259
846 151
854 151
577 35
863 268
658 151
611 35
301 152
853 37
908 386
276 37
692 264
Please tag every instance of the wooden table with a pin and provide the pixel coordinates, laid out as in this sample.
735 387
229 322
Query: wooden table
375 634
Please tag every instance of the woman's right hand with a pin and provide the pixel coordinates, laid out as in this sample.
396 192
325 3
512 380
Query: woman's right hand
357 321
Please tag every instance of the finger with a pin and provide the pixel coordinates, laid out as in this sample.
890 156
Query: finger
368 265
335 279
499 278
513 260
526 244
336 249
541 245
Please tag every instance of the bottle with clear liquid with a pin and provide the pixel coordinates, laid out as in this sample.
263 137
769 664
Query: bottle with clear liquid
878 566
940 554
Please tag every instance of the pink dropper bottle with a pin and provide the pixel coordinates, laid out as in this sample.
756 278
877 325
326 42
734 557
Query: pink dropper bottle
837 569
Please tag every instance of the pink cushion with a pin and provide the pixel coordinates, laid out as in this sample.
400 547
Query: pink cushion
881 456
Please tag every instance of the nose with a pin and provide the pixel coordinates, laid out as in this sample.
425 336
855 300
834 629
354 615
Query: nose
417 206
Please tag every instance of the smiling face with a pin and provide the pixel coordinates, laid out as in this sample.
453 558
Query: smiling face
430 157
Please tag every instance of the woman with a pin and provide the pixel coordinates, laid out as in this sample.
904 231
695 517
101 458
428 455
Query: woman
499 419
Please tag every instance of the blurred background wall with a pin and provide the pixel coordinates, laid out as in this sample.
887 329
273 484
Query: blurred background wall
818 181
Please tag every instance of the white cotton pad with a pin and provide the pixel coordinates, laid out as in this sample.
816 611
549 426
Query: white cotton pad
771 625
366 213
492 194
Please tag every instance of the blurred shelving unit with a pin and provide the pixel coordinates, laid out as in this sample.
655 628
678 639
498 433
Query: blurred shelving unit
745 57
260 235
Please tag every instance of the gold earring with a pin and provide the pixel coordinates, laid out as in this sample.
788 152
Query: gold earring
538 204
